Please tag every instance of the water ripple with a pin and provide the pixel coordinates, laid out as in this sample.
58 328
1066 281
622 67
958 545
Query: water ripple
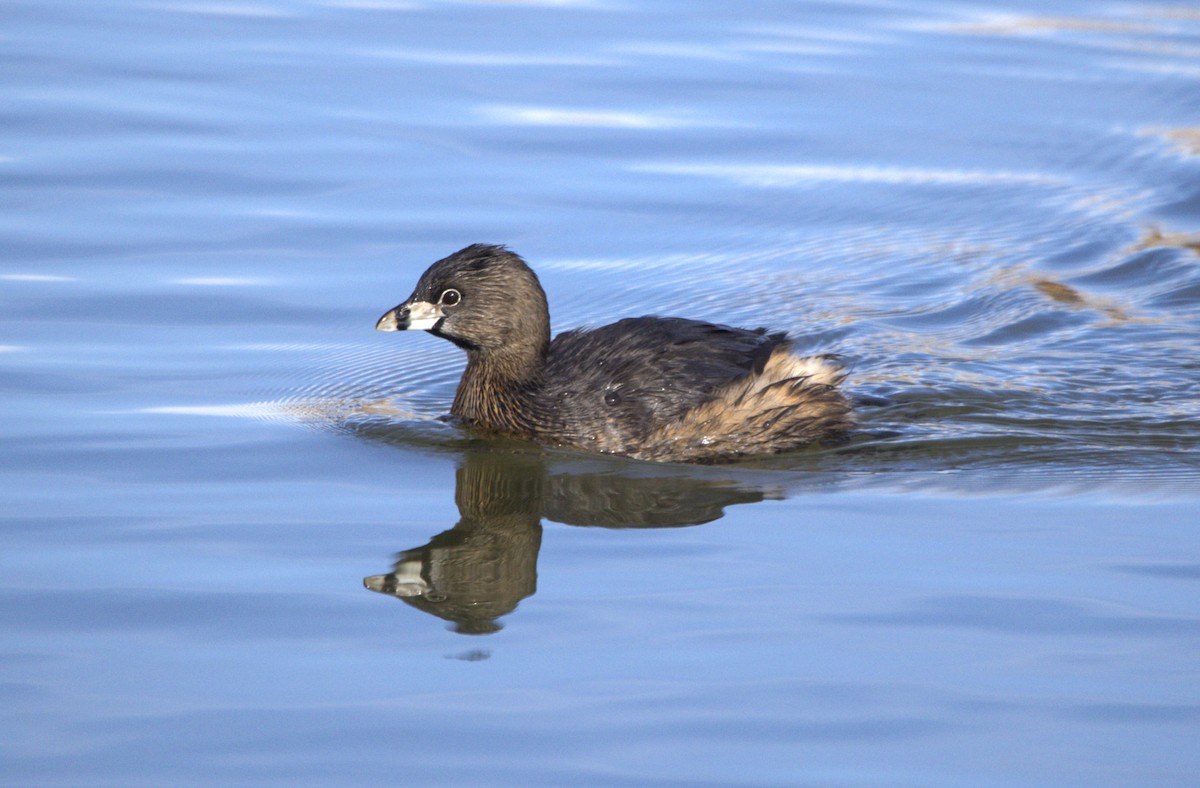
785 175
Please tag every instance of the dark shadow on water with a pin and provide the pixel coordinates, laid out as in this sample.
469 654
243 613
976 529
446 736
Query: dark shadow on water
481 569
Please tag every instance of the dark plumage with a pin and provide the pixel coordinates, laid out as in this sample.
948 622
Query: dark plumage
648 387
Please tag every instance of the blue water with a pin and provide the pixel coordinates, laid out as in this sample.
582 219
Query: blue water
992 211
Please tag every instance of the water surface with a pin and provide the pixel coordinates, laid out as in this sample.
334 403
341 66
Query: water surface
992 212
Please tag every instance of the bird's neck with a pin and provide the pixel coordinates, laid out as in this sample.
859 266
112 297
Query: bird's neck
499 389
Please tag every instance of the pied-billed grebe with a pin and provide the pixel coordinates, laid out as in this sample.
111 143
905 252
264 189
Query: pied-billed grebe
653 388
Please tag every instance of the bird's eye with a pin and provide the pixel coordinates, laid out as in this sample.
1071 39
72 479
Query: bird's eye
450 297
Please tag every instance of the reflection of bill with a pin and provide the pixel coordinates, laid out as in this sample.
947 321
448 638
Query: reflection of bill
486 564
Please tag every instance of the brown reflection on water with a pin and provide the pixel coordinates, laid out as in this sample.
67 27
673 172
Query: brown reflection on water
1154 238
481 569
1066 294
1184 140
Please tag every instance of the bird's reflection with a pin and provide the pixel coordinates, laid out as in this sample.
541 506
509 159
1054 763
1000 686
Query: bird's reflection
486 564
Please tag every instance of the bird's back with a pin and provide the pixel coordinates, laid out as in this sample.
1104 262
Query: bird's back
636 386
